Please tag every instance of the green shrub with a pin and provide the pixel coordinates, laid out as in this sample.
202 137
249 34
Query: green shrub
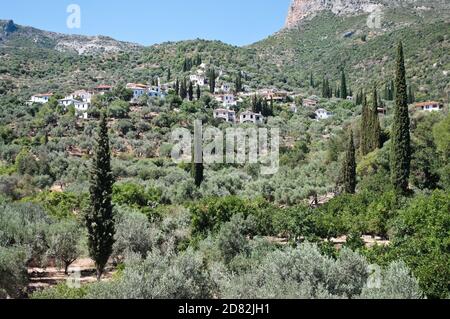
159 276
61 291
13 271
422 240
208 215
134 234
232 239
60 205
137 196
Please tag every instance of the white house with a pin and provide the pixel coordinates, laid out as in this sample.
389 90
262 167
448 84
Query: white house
322 114
198 79
156 91
41 98
430 106
225 88
225 114
310 103
227 100
81 107
250 117
68 102
138 90
81 95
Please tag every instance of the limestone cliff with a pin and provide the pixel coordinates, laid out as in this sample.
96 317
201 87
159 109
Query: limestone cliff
302 9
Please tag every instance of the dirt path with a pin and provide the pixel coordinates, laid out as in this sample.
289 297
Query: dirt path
82 271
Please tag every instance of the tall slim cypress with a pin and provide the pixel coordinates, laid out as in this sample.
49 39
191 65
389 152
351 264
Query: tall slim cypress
99 216
400 135
311 80
197 173
199 92
191 91
238 83
169 74
343 91
212 80
365 127
177 86
374 136
348 173
183 89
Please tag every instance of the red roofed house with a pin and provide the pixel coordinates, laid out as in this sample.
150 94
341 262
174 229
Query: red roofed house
103 88
430 106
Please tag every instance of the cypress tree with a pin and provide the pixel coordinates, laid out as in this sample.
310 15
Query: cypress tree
374 136
197 173
183 89
348 173
311 80
238 82
365 127
343 92
324 88
191 91
169 74
326 91
256 104
199 92
99 216
401 140
212 80
177 86
330 90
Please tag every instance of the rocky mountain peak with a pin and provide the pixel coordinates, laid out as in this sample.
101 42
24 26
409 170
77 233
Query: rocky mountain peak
9 27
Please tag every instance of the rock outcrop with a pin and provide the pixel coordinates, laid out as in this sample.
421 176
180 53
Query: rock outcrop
302 9
9 27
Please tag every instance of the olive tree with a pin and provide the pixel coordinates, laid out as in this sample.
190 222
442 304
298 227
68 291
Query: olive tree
63 240
134 234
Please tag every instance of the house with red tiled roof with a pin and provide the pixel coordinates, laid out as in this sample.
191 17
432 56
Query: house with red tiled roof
429 106
103 88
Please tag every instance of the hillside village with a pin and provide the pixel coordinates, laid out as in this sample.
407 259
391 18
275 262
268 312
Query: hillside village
228 97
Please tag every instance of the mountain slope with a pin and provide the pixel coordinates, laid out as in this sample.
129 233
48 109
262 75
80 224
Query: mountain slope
21 36
326 42
305 9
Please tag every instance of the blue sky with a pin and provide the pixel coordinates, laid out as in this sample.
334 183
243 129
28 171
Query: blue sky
237 22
